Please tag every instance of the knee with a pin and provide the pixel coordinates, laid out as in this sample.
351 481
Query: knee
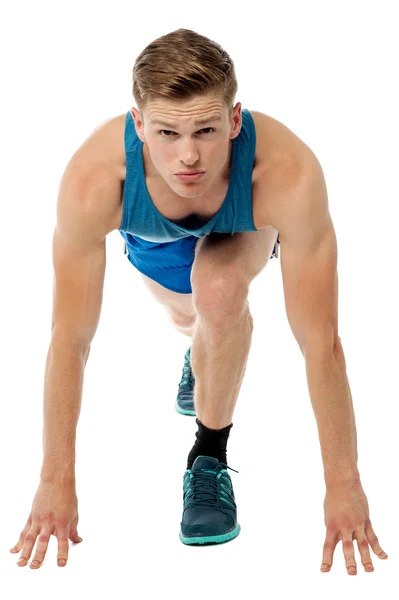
220 298
181 321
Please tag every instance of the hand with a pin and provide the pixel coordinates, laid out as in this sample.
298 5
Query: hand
54 511
347 518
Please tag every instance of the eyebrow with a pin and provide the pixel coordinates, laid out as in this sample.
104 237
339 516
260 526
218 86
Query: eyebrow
202 121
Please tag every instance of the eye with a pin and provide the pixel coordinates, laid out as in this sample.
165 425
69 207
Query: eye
168 131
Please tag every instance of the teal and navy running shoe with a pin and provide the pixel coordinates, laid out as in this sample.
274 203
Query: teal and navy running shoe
210 511
185 397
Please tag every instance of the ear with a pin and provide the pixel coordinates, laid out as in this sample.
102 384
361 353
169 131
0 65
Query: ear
138 123
236 121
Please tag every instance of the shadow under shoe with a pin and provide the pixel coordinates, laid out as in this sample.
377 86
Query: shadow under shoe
185 397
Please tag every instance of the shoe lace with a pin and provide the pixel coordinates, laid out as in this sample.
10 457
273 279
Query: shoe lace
204 487
187 380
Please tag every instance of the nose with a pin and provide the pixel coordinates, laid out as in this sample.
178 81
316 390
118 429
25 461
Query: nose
189 154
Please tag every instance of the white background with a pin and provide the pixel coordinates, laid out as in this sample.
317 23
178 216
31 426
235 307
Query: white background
328 71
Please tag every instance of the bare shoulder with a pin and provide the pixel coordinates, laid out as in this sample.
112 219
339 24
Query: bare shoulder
105 145
276 144
97 169
281 160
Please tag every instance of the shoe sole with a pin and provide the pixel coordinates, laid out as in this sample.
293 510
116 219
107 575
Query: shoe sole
211 539
191 413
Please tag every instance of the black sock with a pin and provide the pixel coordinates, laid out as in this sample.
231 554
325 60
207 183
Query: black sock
209 442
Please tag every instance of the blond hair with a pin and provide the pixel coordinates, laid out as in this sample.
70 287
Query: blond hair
181 64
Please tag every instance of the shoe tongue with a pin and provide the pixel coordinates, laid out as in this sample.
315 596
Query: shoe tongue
204 462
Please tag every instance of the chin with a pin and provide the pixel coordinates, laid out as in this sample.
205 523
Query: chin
188 192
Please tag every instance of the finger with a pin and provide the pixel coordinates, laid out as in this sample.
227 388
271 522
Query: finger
21 540
73 533
74 536
328 549
41 548
63 546
373 541
349 552
29 542
363 546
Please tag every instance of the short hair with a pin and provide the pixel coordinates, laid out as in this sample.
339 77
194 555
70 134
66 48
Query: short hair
182 64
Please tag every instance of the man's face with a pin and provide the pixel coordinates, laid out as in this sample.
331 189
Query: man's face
176 143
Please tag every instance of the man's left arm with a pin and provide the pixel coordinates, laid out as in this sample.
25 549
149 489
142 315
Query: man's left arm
310 281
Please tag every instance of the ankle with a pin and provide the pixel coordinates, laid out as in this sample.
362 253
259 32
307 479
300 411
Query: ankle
209 442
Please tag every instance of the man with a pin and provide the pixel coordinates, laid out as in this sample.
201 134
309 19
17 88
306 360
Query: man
198 241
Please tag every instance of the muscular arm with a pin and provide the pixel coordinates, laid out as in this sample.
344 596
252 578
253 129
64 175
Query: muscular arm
310 279
79 257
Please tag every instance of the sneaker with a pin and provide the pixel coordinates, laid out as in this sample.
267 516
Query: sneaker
184 403
210 511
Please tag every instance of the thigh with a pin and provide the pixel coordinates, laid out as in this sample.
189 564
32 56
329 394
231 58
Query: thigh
244 254
165 269
175 303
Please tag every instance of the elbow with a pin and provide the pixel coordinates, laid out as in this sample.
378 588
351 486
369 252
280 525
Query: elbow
62 336
86 354
325 343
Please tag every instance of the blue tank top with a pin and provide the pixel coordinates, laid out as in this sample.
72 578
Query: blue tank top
141 218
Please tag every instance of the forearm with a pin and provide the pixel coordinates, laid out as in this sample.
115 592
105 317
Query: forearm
61 408
333 408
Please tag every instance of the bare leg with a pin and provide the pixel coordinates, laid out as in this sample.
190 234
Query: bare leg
186 326
179 307
219 355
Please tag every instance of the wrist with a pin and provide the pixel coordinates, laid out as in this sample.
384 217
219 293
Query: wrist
57 475
342 479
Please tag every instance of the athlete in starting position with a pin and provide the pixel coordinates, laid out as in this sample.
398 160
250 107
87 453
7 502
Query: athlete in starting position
203 191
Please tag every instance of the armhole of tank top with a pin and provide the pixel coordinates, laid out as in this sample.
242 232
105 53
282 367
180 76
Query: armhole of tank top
126 216
253 146
123 222
252 135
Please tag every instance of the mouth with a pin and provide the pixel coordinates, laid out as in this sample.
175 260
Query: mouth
194 176
190 172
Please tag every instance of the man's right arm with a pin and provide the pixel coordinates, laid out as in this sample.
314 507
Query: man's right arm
85 208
